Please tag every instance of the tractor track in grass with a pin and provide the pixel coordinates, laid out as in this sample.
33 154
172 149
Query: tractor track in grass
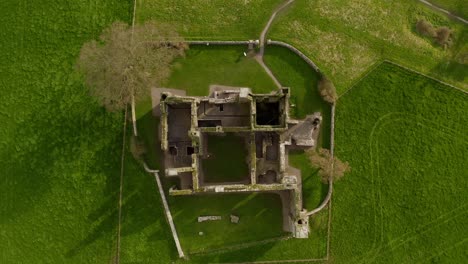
375 251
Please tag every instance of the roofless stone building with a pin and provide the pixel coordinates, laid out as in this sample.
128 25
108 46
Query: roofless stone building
261 120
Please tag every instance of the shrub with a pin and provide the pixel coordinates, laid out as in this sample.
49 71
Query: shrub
425 28
323 161
327 90
443 35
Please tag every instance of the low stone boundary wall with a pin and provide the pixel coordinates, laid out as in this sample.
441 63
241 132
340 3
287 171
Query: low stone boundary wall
330 181
298 52
166 210
222 42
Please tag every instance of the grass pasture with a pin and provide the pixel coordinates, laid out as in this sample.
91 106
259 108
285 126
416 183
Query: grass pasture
214 19
405 197
59 150
346 37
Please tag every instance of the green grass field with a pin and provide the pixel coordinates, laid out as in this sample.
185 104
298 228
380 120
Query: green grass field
215 19
59 150
346 37
405 198
228 159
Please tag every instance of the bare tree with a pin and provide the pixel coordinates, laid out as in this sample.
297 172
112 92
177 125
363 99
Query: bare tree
327 166
327 90
126 62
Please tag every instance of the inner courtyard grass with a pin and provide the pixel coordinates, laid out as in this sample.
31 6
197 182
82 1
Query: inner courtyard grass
214 19
260 218
346 37
405 197
228 159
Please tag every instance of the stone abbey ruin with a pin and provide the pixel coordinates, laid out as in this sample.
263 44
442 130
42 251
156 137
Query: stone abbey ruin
263 125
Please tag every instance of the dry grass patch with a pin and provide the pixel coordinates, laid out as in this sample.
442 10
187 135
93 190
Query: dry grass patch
346 37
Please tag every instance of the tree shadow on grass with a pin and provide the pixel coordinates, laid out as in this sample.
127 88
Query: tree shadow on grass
49 148
141 208
249 254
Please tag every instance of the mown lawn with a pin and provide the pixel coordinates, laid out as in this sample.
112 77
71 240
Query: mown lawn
225 65
346 37
228 159
405 198
214 19
59 150
260 218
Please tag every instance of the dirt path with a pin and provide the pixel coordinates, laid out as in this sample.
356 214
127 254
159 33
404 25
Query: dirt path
268 25
259 56
448 13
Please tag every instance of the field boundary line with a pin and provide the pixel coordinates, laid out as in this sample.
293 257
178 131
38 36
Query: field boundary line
329 228
276 261
238 246
427 76
370 69
380 62
122 160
